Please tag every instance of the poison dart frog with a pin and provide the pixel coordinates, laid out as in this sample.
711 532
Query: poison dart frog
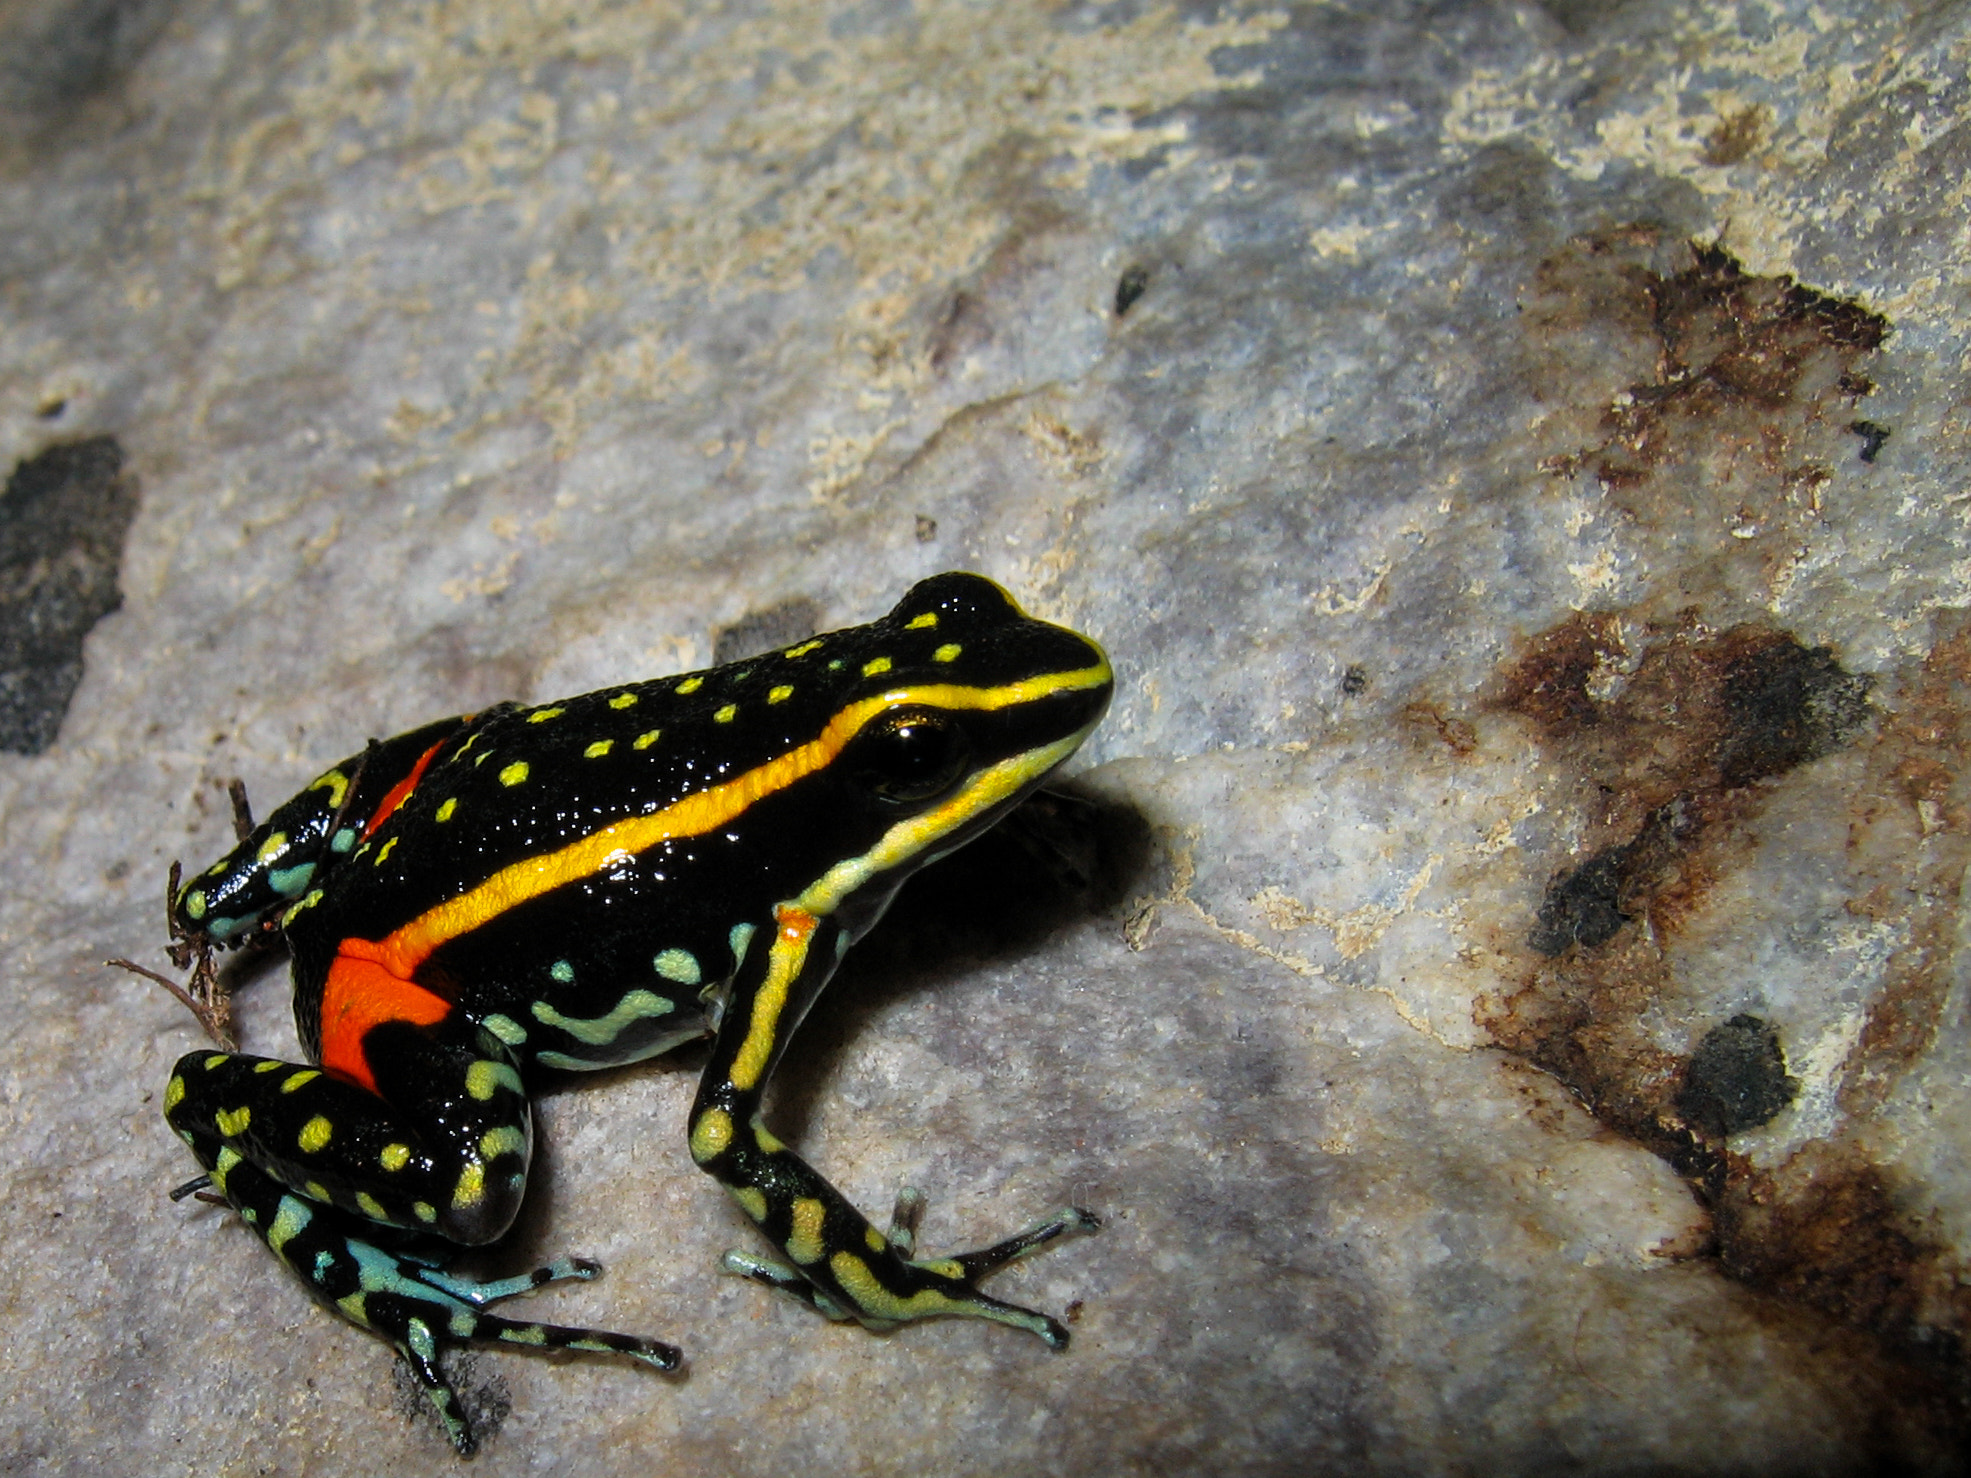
592 882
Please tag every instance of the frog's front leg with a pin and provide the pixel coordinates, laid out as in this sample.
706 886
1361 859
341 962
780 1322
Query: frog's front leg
313 1164
836 1260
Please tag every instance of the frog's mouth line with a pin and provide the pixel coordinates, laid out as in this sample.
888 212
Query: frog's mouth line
978 800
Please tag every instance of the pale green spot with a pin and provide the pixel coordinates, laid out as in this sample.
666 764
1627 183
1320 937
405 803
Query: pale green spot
726 714
523 1334
623 700
780 694
371 1207
319 1191
343 840
505 1140
514 773
394 1156
599 1031
598 749
835 665
484 1078
680 965
288 881
691 685
289 1222
562 971
301 1079
542 715
195 903
876 667
315 1135
506 1029
647 738
424 1211
947 653
275 844
739 938
447 808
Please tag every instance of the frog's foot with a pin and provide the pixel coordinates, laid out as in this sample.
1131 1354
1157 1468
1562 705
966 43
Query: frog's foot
429 1308
938 1285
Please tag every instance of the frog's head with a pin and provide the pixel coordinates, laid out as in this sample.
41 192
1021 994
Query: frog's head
963 704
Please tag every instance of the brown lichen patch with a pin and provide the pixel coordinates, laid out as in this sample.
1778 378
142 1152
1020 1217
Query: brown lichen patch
1705 403
1675 739
1736 136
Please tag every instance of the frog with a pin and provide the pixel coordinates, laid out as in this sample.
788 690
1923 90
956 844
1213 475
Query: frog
579 884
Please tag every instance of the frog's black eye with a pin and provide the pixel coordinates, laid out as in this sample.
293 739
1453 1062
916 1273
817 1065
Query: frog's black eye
910 755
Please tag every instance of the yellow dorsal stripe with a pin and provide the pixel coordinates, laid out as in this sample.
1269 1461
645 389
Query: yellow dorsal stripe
706 810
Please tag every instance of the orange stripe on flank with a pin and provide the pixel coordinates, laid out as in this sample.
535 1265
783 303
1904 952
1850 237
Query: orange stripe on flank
362 993
401 791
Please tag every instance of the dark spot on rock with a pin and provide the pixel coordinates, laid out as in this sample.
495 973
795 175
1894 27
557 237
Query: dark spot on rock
1736 135
1354 680
783 625
1873 437
1737 1079
51 410
1787 704
62 522
1460 737
485 1397
1134 282
1581 907
927 529
1549 682
117 871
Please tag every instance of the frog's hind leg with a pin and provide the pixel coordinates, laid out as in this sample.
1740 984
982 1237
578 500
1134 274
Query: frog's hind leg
406 1296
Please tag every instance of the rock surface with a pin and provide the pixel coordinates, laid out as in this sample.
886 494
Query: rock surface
1517 457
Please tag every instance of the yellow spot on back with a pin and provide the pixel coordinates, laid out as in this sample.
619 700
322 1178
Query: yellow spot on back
300 1080
271 1065
803 649
780 694
371 1207
174 1093
598 749
445 809
231 1122
275 844
876 666
751 1201
542 715
623 700
315 1134
394 1156
691 685
424 1211
710 1135
471 1188
804 1241
918 623
726 714
947 653
647 738
514 773
216 1061
195 903
385 851
352 1305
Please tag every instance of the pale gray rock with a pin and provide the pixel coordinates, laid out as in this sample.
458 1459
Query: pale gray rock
1516 456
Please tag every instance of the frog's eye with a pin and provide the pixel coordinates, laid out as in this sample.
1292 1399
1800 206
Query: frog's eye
910 755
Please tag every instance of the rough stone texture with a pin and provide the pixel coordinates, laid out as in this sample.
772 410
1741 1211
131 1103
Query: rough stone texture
1517 455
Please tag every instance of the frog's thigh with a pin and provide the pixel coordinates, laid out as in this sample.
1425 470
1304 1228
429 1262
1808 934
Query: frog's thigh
442 1144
